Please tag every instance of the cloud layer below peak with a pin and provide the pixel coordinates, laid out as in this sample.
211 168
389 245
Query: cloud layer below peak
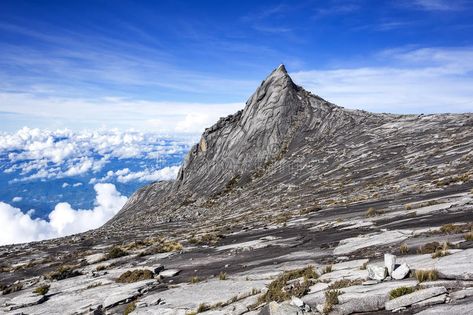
63 220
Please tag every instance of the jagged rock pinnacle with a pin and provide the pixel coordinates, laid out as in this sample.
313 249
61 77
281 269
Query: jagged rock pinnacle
281 68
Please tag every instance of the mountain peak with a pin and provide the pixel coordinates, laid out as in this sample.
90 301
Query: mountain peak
281 68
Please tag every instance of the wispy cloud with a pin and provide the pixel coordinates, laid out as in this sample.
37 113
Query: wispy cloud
438 5
424 80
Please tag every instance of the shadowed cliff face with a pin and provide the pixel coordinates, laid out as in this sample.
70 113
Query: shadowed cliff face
289 148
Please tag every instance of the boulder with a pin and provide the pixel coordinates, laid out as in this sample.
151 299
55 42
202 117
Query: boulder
415 297
390 263
376 272
400 272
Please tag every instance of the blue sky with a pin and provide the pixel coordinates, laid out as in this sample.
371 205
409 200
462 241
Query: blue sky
176 66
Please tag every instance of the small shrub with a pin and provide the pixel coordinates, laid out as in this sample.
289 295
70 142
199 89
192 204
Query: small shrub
195 279
42 290
277 291
372 212
451 228
404 249
426 275
408 207
331 299
100 268
363 267
395 293
343 283
62 273
135 276
441 252
468 236
116 252
327 269
429 248
129 308
203 307
222 275
163 246
209 239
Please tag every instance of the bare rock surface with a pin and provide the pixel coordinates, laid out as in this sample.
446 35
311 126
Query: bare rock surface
415 297
290 182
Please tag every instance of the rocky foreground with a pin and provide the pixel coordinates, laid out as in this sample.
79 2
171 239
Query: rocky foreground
329 211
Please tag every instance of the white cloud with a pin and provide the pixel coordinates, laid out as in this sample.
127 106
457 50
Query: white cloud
418 81
116 112
63 220
125 175
44 154
438 5
17 199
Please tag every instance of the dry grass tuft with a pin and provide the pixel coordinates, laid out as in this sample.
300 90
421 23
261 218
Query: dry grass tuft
62 273
278 291
404 249
331 299
42 290
372 212
222 275
395 293
129 308
116 252
135 276
344 283
426 275
327 269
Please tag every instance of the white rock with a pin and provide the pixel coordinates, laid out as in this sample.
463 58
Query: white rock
319 286
451 309
349 245
169 273
95 258
376 272
25 300
390 262
414 297
458 295
440 299
401 272
297 302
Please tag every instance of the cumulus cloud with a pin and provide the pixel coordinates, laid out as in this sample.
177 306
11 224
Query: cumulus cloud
43 154
63 220
147 175
17 199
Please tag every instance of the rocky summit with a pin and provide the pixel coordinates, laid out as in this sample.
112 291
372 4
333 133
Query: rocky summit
292 205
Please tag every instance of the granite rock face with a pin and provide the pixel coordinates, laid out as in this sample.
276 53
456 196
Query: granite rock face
292 191
287 139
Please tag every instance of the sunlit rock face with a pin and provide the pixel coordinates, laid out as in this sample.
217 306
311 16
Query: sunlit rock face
289 147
